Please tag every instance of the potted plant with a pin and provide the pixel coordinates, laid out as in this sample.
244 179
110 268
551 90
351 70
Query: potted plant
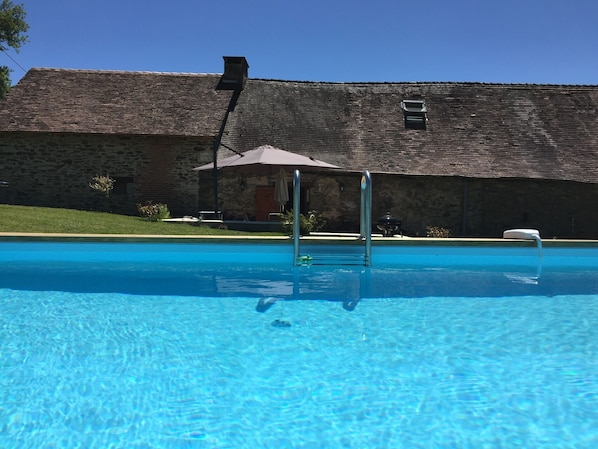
312 222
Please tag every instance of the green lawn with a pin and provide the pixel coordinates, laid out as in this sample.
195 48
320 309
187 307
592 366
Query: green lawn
50 220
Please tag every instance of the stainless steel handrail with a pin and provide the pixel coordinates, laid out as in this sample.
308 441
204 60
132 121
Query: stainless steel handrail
365 216
296 213
365 221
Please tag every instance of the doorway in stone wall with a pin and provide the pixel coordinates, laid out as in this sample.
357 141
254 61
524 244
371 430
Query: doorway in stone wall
265 204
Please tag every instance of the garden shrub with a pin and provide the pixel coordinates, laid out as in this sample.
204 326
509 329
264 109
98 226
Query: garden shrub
153 212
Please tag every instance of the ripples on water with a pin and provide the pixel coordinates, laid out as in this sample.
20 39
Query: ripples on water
101 356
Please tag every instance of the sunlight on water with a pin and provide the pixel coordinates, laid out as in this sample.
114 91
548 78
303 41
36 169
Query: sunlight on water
95 370
99 354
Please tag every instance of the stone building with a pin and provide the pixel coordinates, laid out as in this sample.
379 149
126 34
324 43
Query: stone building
470 157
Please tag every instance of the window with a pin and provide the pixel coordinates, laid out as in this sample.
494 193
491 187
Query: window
123 185
415 113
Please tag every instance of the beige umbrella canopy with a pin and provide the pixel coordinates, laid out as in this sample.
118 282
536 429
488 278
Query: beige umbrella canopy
265 160
268 159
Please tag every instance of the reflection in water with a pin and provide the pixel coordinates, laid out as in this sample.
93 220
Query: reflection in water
270 284
264 304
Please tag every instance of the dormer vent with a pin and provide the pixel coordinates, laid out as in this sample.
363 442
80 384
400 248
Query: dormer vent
235 73
415 113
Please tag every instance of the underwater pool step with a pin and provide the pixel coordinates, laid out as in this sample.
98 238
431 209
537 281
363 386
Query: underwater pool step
332 259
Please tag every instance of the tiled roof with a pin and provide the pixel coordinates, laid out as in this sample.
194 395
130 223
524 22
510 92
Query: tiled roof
473 130
88 101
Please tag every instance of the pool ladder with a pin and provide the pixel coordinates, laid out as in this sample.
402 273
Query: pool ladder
350 254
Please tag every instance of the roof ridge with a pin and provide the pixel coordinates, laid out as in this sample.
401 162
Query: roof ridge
432 83
126 72
323 83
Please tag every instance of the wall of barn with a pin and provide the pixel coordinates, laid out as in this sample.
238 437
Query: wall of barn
486 207
55 169
466 207
52 169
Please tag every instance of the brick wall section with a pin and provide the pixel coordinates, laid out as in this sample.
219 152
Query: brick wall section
45 169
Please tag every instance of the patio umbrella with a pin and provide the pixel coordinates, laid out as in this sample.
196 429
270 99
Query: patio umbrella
266 159
281 192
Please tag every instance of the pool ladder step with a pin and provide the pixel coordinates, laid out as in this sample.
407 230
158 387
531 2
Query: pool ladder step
332 259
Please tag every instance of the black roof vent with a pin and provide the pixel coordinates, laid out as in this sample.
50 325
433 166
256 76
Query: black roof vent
235 73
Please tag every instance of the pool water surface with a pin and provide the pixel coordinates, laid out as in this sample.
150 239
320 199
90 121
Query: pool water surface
163 355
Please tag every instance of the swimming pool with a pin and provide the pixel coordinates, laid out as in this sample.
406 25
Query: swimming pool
212 345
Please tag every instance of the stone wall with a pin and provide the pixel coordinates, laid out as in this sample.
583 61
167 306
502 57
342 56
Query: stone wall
54 170
467 207
486 207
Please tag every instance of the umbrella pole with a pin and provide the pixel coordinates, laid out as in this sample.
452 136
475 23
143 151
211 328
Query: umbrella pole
216 145
215 180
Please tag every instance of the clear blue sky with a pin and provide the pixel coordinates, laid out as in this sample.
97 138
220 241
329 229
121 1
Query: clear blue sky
505 41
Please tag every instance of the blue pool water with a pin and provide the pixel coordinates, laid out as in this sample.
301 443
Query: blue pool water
166 347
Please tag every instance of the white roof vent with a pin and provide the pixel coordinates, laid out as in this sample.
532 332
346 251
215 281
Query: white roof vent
415 113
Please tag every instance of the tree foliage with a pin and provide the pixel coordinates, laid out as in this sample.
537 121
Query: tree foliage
103 184
12 35
4 80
